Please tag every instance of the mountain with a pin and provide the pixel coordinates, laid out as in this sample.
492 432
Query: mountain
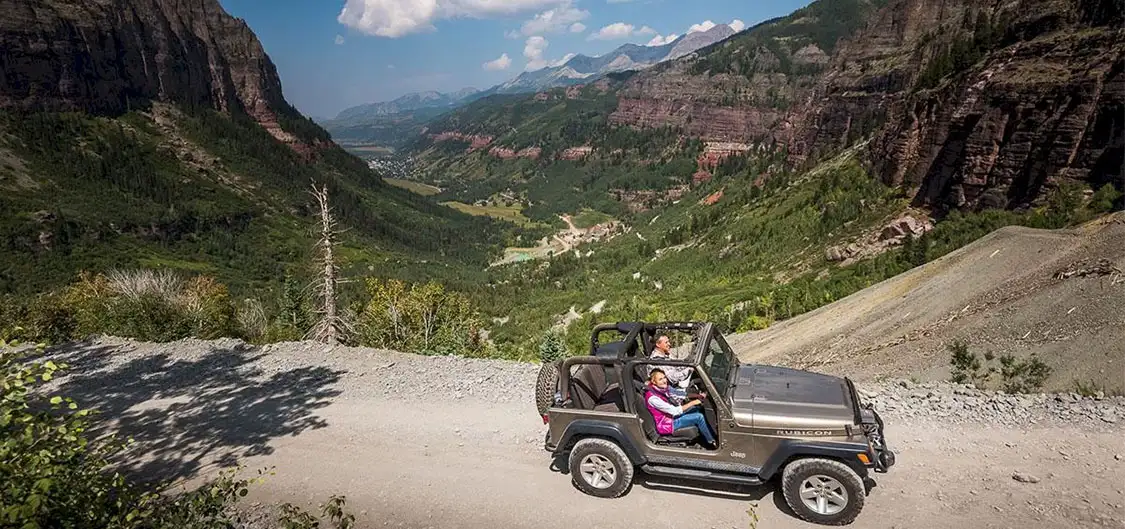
376 128
156 133
798 161
406 103
699 39
582 68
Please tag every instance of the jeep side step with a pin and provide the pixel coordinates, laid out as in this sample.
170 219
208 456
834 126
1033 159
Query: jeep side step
702 475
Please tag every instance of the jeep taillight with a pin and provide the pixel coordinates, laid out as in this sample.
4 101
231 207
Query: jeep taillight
545 419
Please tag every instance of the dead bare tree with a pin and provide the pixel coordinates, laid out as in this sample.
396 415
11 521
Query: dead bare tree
330 326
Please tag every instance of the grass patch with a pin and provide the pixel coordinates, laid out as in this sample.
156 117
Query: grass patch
509 213
588 218
414 187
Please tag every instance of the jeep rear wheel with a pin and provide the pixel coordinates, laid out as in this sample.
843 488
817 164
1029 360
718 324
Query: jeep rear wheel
600 468
823 491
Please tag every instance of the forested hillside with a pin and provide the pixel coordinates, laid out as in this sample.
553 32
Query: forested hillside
799 161
157 170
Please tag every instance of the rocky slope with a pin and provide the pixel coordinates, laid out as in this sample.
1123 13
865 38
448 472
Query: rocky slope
1054 295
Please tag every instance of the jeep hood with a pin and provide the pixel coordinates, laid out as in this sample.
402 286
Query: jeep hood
791 395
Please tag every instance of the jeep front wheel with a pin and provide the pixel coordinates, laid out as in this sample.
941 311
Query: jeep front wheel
823 491
600 468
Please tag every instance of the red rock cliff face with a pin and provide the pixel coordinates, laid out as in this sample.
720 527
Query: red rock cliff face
1046 103
105 56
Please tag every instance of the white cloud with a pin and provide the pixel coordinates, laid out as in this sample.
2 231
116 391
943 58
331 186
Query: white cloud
533 49
554 20
499 64
390 67
561 61
617 30
396 18
645 30
577 27
737 25
660 41
339 40
704 26
511 34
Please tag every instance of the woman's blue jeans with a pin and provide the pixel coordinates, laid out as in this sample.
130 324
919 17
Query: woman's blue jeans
694 418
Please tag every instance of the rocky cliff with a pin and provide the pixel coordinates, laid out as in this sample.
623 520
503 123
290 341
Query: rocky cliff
107 56
749 88
970 104
977 104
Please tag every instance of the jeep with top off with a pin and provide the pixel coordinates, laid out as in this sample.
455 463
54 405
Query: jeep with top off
808 431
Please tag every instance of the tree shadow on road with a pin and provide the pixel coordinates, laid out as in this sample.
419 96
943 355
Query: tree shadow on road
188 415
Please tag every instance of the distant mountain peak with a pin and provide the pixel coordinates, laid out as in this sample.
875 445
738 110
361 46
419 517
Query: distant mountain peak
625 57
412 101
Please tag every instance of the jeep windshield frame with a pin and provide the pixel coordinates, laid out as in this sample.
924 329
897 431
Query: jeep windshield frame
718 361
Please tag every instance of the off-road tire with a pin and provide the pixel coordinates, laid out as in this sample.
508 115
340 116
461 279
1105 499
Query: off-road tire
546 385
606 451
794 476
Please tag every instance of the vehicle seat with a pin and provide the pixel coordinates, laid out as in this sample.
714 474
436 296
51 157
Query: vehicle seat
681 436
590 390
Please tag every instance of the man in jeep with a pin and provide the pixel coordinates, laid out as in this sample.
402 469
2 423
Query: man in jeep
678 376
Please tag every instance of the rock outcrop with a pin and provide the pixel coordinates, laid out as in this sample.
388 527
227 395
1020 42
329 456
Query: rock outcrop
475 141
1044 101
109 56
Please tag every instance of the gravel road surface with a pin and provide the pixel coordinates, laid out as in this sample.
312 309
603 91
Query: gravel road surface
417 442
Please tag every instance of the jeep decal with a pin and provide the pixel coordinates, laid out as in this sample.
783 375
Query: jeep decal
810 433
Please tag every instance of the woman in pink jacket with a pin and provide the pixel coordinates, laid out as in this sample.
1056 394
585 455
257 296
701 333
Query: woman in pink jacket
669 414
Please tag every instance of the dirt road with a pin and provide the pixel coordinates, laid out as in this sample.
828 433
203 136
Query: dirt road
449 443
481 466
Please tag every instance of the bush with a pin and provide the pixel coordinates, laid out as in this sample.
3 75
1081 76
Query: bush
965 365
421 318
1016 376
1023 376
141 304
52 475
552 347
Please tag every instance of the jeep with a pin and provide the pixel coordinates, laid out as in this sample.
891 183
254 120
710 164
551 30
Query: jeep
809 431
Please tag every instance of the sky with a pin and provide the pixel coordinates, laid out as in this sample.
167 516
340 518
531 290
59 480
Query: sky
335 54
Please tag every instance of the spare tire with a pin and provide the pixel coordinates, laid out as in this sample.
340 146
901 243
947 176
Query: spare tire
546 385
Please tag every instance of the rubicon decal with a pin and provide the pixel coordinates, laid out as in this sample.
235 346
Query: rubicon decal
806 432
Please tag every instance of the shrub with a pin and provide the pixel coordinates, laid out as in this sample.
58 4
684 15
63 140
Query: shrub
552 347
1023 376
421 318
252 319
965 366
1016 376
141 304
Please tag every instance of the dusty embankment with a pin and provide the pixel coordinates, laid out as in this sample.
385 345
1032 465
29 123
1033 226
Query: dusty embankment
1018 291
447 442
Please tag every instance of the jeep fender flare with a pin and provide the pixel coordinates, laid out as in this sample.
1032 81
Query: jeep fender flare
798 448
593 428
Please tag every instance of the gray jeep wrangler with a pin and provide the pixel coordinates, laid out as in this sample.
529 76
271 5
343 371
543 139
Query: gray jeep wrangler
809 431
